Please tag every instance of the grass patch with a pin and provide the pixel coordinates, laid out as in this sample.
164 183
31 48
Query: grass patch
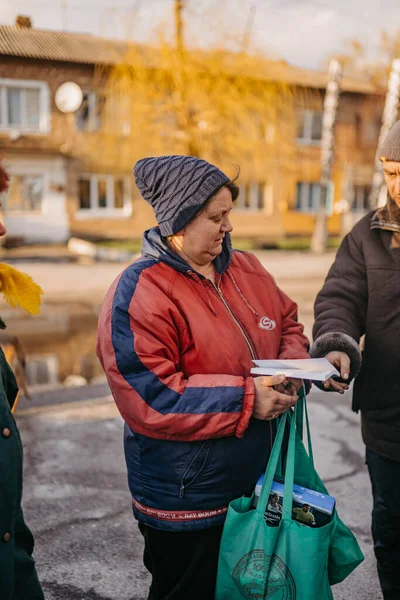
334 243
289 244
303 243
244 243
294 244
133 246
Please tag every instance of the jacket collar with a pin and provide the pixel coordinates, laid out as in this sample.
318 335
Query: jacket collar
387 217
155 246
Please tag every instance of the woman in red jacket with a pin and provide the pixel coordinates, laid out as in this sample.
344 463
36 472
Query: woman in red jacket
177 334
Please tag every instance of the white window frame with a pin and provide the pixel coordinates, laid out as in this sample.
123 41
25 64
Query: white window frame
33 362
23 212
92 123
254 190
109 211
44 106
355 205
304 207
308 116
117 115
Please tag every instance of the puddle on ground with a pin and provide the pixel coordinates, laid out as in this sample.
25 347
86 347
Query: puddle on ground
58 345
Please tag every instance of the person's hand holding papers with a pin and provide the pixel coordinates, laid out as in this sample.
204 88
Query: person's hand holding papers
269 403
341 361
290 386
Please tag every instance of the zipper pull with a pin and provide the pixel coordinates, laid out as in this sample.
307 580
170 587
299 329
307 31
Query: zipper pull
182 491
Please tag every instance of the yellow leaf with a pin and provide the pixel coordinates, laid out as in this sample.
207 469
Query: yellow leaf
19 289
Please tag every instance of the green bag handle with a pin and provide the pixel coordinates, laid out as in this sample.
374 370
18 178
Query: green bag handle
310 448
300 415
271 466
302 403
295 421
289 473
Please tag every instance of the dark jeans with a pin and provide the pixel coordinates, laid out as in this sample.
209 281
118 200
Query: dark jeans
183 564
385 479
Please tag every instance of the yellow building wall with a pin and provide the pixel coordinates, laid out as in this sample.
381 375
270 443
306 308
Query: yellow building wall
356 138
131 227
356 135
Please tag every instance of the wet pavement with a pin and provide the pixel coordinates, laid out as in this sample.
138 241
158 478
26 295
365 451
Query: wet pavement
77 502
75 493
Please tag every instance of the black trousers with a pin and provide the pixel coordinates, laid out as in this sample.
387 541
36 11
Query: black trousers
385 479
183 564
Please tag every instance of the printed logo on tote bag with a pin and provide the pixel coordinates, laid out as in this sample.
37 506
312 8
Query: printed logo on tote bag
254 568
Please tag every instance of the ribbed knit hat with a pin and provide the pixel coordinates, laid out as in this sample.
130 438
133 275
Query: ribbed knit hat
177 187
390 149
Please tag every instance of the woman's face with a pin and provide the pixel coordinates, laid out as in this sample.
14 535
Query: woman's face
202 237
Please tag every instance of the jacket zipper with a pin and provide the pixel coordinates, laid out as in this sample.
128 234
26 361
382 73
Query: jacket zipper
248 342
184 486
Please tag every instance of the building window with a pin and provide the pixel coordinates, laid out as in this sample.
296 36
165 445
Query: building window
25 193
116 116
251 197
309 126
308 196
104 194
90 114
42 369
360 198
24 105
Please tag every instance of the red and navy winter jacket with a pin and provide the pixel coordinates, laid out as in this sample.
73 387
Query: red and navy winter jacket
177 352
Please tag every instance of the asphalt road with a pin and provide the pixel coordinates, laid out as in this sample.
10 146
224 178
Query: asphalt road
77 503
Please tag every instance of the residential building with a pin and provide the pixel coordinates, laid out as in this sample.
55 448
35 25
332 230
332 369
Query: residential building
61 183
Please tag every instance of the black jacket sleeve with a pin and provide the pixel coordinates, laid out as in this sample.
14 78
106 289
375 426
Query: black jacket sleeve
341 306
27 586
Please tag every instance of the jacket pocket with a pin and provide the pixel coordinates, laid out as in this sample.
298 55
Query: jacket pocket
195 468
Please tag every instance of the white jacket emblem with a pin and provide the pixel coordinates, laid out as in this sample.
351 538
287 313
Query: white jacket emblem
266 323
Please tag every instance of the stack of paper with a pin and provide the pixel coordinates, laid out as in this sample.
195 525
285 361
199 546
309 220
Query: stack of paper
314 369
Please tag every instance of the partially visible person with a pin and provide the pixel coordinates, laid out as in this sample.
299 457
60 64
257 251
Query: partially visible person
18 577
304 515
273 504
177 334
361 296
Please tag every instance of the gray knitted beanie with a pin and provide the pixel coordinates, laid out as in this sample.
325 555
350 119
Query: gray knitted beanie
390 149
177 187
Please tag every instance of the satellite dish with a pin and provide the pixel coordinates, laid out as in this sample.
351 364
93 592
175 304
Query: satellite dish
68 97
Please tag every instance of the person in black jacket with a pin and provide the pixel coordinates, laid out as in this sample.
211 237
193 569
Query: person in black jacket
361 297
18 577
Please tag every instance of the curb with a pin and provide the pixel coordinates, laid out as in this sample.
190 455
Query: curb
63 406
85 248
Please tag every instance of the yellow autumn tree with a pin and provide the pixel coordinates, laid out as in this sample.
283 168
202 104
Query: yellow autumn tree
227 107
357 60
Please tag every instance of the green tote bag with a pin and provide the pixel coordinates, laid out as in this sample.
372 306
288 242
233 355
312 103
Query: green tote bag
344 552
288 562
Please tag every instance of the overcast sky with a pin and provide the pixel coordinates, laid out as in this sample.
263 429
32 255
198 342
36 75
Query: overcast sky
303 32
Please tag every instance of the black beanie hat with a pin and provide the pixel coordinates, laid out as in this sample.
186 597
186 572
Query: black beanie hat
177 187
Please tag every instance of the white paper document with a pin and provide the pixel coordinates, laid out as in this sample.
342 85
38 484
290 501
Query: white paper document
315 369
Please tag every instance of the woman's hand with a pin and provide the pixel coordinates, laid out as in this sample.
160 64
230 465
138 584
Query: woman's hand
341 361
290 386
270 403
